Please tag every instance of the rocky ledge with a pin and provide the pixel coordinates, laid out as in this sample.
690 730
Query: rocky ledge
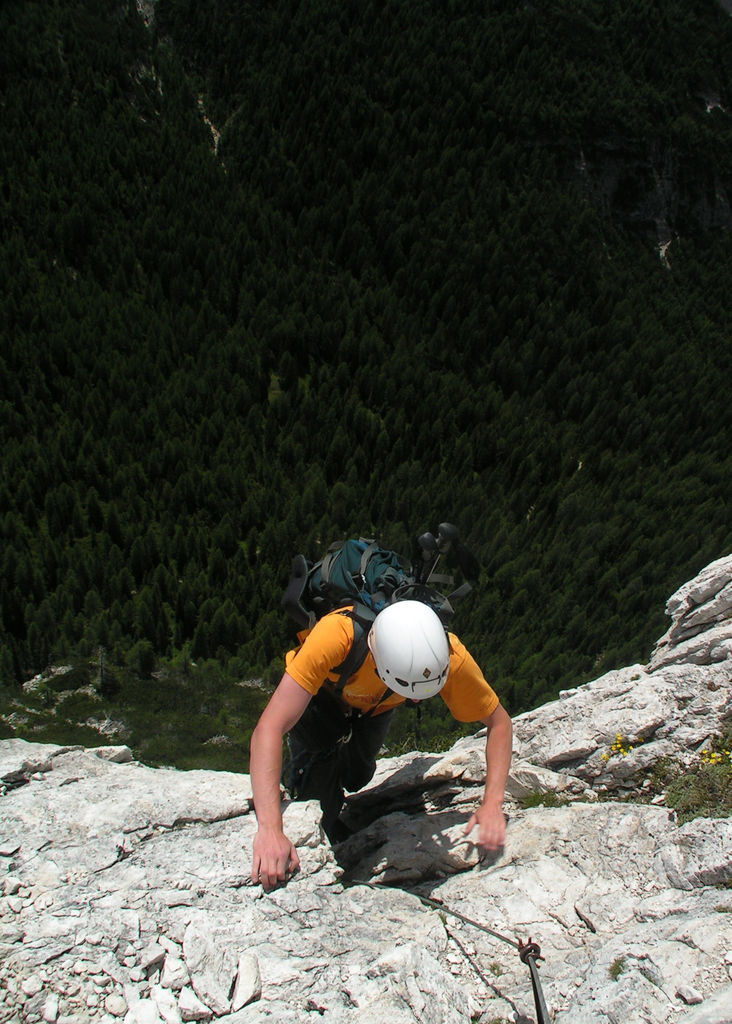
126 897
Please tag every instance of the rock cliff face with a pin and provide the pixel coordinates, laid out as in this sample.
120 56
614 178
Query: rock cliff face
125 890
654 188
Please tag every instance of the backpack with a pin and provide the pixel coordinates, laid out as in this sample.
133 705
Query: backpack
360 573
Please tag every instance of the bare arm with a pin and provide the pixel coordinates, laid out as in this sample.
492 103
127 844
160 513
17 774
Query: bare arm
489 817
273 855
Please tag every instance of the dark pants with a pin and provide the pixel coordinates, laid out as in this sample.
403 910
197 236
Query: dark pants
333 751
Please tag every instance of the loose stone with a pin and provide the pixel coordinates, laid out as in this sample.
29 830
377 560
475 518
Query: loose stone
32 985
116 1005
50 1008
689 995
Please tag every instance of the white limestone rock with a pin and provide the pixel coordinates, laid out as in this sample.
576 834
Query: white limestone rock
142 1011
167 1005
110 807
248 984
191 1007
152 956
701 613
526 779
120 754
20 759
174 973
703 588
707 648
210 965
116 1005
689 995
668 713
126 889
716 1009
699 853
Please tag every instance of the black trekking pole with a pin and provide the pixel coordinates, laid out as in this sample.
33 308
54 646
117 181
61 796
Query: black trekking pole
432 550
447 534
430 556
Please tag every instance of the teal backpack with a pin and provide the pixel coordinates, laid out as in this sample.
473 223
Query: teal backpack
361 577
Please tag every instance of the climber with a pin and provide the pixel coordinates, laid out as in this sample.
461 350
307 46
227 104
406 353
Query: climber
335 732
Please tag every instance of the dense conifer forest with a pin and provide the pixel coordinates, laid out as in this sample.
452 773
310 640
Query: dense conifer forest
279 273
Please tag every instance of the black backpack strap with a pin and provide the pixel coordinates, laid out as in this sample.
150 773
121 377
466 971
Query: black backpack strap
334 551
362 618
328 560
371 711
371 546
292 597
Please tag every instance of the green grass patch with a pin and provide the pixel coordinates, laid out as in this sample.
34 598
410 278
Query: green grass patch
65 734
705 791
617 967
541 799
186 716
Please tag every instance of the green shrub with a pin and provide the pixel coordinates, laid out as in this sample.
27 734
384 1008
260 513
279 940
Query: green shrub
617 967
77 706
541 799
705 791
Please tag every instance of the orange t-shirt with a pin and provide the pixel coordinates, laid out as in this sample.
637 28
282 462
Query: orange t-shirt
466 692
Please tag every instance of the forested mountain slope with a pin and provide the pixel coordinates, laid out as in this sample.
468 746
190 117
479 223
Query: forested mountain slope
275 274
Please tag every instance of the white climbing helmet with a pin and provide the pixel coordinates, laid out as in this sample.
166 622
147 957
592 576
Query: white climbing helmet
410 649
